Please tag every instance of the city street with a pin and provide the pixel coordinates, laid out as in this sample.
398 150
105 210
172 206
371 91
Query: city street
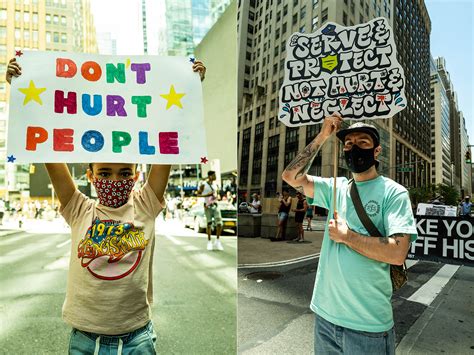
433 313
194 290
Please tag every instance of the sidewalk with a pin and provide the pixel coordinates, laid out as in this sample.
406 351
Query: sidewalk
446 325
11 226
260 250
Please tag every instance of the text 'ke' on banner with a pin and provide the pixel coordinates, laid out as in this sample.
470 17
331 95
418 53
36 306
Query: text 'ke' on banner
445 239
70 107
350 70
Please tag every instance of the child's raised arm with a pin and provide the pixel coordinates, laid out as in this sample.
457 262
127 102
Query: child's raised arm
158 179
62 181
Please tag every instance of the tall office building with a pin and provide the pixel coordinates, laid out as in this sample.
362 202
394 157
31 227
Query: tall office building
106 43
186 24
454 123
441 168
179 27
56 25
465 183
266 146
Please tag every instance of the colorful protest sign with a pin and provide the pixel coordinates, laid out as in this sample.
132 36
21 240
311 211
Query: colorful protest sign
350 70
69 107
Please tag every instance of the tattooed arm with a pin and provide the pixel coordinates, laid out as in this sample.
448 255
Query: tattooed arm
391 250
295 173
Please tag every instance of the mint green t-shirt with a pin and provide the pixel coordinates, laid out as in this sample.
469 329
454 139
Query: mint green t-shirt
351 290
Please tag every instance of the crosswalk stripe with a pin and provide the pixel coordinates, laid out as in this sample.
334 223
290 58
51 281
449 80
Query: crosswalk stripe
428 292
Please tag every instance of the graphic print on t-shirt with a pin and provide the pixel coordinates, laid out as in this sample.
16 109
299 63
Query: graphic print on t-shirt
111 250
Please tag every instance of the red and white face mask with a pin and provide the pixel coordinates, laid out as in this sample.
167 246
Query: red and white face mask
113 193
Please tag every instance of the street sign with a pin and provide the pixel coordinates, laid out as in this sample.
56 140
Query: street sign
405 170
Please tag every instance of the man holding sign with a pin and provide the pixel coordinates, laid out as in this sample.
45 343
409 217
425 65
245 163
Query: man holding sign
351 72
353 289
109 289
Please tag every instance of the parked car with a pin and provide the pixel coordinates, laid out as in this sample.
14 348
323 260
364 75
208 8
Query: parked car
244 207
195 217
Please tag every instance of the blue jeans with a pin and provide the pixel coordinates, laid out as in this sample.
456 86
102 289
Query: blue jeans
140 342
332 339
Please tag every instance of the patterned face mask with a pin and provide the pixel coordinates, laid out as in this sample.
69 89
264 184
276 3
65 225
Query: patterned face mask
113 193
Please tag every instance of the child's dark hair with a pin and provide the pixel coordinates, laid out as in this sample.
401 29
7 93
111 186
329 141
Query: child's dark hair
210 173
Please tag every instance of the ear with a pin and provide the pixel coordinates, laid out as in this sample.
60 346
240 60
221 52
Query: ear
90 175
378 150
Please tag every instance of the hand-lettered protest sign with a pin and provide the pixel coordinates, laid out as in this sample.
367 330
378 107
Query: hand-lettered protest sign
69 107
350 70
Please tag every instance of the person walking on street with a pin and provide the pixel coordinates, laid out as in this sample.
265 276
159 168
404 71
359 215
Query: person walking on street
353 289
209 190
256 204
2 210
309 217
465 207
283 213
300 212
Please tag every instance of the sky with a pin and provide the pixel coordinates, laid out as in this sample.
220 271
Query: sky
452 37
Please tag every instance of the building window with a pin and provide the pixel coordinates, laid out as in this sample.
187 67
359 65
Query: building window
48 37
56 19
35 17
35 36
48 18
17 16
26 16
63 38
63 20
3 32
56 37
3 14
17 34
315 23
324 15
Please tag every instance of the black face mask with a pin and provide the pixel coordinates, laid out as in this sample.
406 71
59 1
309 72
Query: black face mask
359 160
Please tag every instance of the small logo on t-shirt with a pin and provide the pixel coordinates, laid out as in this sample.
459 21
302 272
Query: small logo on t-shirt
372 208
111 250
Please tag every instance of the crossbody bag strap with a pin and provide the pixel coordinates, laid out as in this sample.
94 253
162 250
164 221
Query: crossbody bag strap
366 221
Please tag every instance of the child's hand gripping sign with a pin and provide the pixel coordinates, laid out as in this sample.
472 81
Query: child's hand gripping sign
69 107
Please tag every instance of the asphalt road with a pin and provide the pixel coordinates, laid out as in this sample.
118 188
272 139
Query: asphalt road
195 293
430 311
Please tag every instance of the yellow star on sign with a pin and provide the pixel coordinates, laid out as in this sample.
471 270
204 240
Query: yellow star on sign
32 93
173 98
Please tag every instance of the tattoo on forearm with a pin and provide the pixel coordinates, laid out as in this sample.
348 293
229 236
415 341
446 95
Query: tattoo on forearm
397 236
304 159
385 240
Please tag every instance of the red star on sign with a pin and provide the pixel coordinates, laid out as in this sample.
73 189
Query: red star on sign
18 53
204 160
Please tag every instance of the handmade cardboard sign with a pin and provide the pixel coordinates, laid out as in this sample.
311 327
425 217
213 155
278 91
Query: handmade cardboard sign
69 107
350 70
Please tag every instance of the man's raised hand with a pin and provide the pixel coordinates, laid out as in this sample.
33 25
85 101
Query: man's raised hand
13 70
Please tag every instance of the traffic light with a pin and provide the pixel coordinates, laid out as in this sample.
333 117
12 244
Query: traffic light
468 157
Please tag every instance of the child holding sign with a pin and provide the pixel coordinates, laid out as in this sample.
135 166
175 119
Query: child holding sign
109 288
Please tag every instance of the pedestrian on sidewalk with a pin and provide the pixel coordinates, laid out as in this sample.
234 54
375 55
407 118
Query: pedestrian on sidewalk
209 190
256 204
2 210
108 300
283 213
309 217
353 289
300 212
465 207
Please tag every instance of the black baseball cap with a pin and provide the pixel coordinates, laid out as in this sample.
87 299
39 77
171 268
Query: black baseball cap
360 127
